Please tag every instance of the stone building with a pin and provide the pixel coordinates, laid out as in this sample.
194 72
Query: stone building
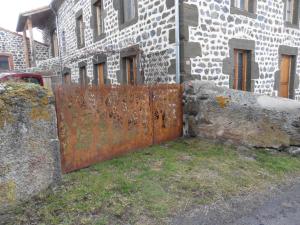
251 45
12 51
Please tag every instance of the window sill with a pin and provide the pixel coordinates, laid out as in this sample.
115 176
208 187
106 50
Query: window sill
128 23
80 46
99 37
291 25
234 10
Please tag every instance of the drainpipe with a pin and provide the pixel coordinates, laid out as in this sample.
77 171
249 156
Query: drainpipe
58 40
177 41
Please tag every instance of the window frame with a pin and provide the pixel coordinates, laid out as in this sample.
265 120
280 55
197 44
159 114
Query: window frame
228 63
127 71
80 29
295 15
130 52
246 70
83 78
245 12
9 60
118 5
95 20
67 73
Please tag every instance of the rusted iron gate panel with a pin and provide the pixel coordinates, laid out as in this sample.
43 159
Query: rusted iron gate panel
99 124
167 112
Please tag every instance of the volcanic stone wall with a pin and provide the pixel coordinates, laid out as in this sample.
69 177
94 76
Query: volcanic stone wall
12 43
221 27
148 35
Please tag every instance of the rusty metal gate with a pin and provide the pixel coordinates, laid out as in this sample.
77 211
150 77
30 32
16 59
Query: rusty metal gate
96 124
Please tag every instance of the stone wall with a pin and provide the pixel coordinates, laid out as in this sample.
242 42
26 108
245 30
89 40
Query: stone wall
12 43
149 34
218 27
240 118
29 146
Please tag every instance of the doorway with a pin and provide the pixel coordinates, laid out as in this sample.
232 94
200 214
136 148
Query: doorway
286 69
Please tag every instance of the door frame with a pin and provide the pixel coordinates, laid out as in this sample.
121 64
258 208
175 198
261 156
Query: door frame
294 79
100 59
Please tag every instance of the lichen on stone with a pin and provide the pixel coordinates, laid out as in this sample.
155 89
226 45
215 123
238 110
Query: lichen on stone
23 94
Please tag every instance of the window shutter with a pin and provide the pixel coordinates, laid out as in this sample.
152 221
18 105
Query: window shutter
251 6
249 71
296 12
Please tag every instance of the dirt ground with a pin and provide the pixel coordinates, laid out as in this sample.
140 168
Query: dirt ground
278 206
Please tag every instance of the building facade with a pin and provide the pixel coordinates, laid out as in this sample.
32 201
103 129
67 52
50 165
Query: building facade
112 41
12 52
250 45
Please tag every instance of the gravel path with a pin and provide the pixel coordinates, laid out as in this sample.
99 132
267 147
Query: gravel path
278 206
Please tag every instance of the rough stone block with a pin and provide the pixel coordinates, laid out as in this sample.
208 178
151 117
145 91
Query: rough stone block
242 118
29 146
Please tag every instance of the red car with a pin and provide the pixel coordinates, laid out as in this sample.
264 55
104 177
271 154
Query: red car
22 77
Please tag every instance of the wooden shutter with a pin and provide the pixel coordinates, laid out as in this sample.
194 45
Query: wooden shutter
242 70
249 71
251 6
295 11
100 70
67 78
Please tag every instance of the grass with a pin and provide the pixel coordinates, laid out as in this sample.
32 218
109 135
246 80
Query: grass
148 186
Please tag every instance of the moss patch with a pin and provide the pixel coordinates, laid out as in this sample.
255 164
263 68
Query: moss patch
26 95
7 192
222 101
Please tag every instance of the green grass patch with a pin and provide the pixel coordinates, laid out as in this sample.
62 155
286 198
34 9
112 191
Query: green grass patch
148 186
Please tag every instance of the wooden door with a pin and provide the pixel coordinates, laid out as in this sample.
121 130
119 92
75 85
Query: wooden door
240 70
100 69
83 76
285 74
131 70
67 78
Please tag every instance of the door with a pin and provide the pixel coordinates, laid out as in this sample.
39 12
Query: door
100 71
242 77
67 79
131 70
83 76
285 74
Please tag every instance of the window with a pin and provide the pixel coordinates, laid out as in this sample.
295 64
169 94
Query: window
54 44
128 10
6 62
83 76
130 70
63 42
246 5
291 11
99 20
80 30
31 80
242 70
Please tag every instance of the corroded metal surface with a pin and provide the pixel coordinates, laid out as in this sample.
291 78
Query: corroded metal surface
167 112
97 124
